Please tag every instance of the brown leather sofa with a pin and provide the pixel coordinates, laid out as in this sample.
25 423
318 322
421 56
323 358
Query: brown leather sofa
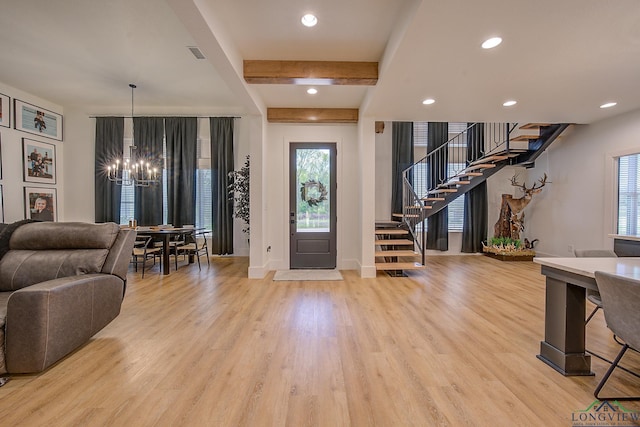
60 283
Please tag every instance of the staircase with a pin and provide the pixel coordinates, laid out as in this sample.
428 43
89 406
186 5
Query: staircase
395 249
429 185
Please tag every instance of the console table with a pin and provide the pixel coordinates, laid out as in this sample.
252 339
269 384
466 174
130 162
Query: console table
567 279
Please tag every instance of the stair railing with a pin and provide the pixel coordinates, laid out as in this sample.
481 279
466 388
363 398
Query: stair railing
413 213
425 178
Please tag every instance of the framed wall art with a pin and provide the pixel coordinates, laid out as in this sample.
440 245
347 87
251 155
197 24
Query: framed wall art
39 161
40 203
36 120
5 110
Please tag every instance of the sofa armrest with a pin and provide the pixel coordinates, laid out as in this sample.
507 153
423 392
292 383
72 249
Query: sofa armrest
49 320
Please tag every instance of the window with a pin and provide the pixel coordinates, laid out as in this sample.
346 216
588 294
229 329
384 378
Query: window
628 191
204 198
455 209
127 201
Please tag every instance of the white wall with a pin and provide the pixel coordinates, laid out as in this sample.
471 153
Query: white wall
276 163
12 181
79 149
577 208
383 174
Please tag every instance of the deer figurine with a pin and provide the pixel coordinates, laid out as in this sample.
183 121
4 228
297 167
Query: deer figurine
510 224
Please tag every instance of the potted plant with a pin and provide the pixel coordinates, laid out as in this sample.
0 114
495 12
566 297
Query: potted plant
239 193
507 249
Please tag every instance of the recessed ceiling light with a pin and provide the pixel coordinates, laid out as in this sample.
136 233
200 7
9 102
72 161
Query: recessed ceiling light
309 20
312 91
609 105
509 103
491 43
428 101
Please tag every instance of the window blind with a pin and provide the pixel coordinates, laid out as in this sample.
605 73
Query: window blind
628 191
455 209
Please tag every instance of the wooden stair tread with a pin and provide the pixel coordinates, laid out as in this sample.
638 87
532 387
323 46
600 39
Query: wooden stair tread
399 215
479 166
399 266
471 174
398 252
395 231
443 190
418 207
490 158
524 137
455 182
513 152
534 125
433 199
390 224
394 242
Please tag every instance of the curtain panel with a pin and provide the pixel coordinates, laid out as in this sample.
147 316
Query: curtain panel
474 227
401 159
221 164
108 146
148 136
437 163
182 147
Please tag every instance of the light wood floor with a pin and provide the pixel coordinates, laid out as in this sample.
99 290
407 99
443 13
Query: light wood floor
454 345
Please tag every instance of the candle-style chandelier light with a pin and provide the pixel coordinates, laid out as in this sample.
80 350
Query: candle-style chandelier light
133 171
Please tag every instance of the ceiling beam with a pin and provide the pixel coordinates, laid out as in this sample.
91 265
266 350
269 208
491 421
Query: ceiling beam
311 72
312 115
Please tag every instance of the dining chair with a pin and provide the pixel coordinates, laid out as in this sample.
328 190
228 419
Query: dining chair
196 245
144 249
175 244
620 302
594 296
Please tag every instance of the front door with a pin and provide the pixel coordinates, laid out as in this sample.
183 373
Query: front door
312 195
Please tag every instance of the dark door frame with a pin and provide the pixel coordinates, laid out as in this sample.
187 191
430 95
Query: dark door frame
326 260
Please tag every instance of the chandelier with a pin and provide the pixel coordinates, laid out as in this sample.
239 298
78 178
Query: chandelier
133 171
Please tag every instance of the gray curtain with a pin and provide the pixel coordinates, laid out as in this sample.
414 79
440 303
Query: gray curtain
221 165
437 224
148 134
401 158
474 228
108 147
182 135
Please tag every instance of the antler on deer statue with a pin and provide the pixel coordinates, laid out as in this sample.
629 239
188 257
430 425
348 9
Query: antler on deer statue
534 188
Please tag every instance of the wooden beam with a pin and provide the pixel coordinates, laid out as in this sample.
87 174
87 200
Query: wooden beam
312 115
311 72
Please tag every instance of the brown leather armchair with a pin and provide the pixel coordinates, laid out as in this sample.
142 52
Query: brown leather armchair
60 283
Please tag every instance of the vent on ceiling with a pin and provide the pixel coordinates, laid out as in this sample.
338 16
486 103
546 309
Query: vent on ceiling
196 52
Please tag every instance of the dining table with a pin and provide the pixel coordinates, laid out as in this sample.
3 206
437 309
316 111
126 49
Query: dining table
164 235
567 280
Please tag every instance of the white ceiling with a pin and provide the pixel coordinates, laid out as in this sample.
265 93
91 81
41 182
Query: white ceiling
559 59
